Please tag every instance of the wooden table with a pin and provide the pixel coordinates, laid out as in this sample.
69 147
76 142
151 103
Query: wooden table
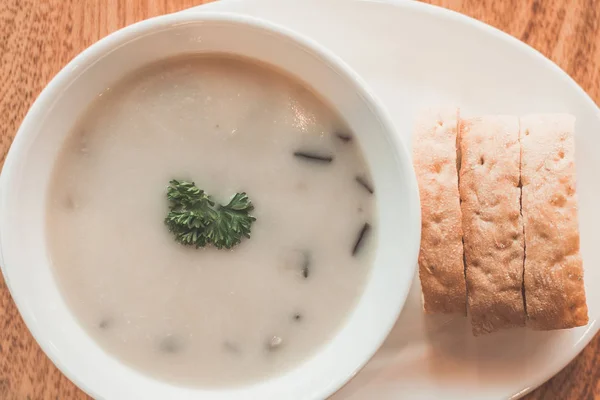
38 37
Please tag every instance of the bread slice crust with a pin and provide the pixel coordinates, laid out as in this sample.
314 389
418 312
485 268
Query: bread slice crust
441 267
553 276
492 223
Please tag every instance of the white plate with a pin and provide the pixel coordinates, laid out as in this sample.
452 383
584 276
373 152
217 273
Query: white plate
416 55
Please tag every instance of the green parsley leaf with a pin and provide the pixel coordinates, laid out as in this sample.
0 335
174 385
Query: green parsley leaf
195 219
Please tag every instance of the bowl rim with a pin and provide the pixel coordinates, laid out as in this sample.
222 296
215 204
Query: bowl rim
95 52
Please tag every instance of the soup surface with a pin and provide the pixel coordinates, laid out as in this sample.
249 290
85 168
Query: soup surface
210 317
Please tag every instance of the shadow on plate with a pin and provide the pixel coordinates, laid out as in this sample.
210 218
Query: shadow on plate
443 347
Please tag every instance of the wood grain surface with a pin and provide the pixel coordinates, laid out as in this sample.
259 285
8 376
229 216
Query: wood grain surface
38 37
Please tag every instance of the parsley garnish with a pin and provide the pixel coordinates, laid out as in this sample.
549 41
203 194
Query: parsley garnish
196 220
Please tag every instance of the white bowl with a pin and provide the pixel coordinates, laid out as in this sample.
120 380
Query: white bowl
26 176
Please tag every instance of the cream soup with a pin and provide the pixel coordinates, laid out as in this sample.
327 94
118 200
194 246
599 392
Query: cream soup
208 316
